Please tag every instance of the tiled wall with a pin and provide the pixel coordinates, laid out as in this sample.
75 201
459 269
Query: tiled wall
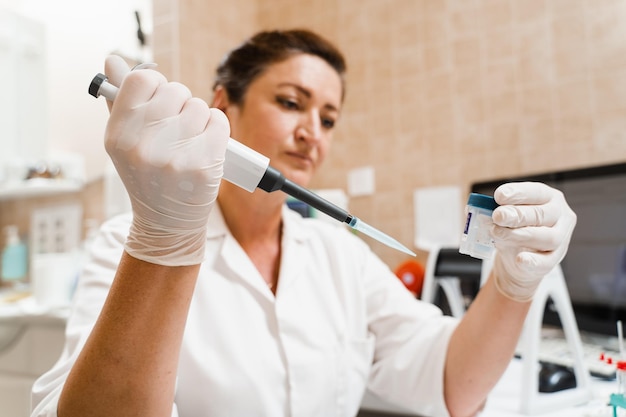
440 92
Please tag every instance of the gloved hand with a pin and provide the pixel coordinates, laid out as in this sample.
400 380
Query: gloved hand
532 229
168 149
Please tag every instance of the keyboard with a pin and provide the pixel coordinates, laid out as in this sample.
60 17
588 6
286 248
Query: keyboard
553 348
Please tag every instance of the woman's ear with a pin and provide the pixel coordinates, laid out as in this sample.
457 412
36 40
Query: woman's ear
220 99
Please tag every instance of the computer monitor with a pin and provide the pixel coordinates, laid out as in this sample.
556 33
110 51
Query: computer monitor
595 265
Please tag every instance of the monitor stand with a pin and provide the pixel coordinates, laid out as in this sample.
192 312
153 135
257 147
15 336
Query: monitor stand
532 401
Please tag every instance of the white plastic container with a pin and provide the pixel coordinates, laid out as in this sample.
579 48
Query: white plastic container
53 276
476 240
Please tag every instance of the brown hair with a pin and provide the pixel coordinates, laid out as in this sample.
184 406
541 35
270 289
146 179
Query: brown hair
245 63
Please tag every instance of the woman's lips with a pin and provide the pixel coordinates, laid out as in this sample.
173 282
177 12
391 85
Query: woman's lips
305 158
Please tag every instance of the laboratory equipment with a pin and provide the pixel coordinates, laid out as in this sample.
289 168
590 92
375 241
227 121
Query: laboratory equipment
620 339
249 169
618 399
476 239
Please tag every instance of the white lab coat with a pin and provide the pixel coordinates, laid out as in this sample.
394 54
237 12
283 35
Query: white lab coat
340 321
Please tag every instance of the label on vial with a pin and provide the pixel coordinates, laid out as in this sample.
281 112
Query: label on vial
467 224
476 239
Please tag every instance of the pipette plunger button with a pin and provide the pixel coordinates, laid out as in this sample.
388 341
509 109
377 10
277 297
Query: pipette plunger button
96 83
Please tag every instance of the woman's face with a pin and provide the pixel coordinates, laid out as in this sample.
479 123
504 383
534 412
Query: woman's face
289 113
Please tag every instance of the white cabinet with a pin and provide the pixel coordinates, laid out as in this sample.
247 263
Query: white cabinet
29 346
15 395
23 102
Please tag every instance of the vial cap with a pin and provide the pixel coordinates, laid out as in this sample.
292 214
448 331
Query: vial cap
482 201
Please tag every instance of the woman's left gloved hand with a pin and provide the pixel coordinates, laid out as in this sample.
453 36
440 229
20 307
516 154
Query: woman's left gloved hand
169 149
532 230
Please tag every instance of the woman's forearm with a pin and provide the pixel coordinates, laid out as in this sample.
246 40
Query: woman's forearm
128 365
481 348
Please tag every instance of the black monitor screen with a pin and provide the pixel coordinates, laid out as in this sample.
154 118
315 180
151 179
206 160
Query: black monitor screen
595 265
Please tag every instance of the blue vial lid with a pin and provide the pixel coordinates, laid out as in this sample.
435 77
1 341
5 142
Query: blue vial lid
482 201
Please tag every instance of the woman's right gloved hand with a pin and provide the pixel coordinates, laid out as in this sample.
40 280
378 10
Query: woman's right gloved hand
168 149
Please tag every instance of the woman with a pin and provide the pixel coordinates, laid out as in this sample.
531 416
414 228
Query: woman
242 307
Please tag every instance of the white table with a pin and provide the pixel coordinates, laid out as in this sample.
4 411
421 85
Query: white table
504 400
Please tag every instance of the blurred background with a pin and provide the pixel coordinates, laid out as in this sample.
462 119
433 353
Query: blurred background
440 92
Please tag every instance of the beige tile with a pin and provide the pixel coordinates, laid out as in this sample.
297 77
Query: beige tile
503 106
469 111
437 58
536 133
497 14
467 53
501 77
436 29
565 7
500 46
609 91
466 22
573 98
570 32
438 88
529 10
574 140
468 82
504 136
571 64
537 102
609 135
434 7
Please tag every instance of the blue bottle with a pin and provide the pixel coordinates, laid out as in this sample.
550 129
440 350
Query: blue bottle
14 257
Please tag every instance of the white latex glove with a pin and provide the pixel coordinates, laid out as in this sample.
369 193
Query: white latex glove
168 149
532 230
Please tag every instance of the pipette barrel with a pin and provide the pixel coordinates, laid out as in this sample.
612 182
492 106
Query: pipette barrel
273 180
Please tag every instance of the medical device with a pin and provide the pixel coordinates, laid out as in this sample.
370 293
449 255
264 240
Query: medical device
249 169
476 240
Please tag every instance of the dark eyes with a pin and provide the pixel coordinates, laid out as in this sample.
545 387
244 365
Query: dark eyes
328 123
289 104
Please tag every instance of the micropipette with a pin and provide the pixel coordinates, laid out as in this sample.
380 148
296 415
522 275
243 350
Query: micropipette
249 169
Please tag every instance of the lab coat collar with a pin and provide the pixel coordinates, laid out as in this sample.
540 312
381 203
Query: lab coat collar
295 234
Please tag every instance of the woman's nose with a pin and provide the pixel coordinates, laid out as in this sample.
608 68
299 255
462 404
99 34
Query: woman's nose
310 128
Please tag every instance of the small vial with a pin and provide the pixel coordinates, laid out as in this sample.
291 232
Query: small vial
621 377
476 240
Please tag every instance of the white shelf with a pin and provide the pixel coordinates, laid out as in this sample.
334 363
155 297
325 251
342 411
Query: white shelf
38 187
